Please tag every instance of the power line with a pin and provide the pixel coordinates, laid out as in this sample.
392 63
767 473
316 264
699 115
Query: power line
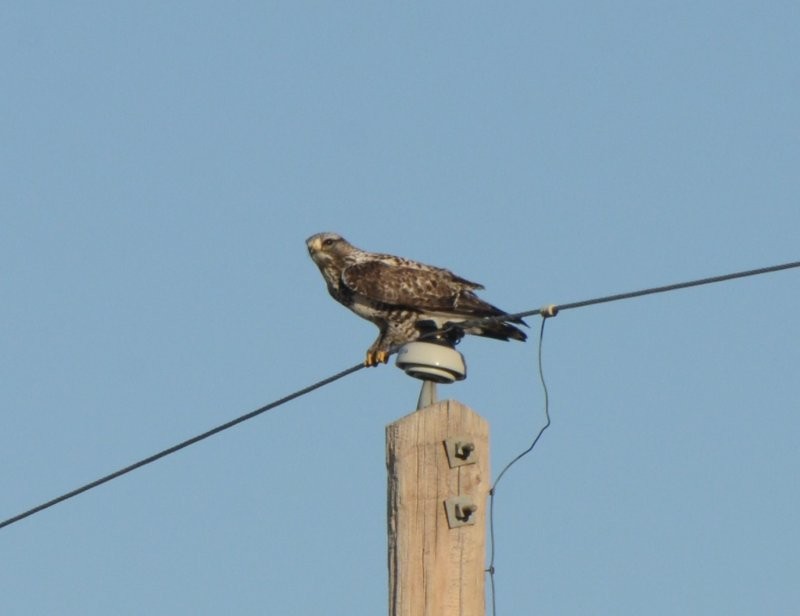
450 327
182 445
681 285
554 309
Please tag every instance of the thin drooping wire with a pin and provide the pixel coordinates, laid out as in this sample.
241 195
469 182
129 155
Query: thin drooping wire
179 446
493 491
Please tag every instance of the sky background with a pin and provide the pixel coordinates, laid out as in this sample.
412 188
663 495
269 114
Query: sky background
162 165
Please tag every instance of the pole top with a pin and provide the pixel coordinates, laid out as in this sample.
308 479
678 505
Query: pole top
432 362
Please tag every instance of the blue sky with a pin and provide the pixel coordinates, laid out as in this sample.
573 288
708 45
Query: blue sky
162 165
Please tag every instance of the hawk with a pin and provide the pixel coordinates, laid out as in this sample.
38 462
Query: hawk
404 298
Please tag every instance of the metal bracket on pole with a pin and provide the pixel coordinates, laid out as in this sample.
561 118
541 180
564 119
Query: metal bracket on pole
460 511
460 451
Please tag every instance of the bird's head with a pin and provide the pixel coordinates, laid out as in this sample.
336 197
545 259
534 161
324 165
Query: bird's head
328 248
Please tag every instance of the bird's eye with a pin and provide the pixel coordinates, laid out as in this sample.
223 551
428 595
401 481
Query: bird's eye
328 241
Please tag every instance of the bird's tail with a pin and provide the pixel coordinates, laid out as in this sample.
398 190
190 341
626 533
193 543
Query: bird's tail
499 330
487 320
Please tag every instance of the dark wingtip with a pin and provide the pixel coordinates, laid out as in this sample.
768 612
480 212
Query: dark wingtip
503 331
515 333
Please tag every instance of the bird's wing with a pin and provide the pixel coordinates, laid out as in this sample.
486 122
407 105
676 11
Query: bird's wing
409 284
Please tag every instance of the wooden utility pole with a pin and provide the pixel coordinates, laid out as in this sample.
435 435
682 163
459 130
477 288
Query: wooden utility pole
438 464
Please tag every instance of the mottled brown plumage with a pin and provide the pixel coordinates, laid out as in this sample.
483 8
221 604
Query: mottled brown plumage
402 297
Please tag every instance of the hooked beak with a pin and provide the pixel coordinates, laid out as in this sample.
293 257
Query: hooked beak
314 244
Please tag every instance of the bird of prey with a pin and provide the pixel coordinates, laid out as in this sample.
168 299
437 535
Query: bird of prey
404 298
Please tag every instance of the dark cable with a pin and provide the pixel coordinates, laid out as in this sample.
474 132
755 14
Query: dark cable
179 446
552 310
545 312
681 285
493 490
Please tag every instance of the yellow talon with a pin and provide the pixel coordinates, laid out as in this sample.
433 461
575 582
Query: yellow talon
376 357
